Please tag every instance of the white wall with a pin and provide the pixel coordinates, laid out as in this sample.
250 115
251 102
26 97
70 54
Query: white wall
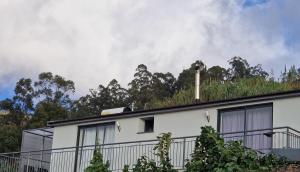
180 124
185 123
65 136
286 112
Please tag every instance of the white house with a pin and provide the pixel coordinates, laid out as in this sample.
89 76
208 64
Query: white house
265 123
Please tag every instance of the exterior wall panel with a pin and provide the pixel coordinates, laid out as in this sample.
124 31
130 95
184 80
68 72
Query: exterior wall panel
65 136
286 112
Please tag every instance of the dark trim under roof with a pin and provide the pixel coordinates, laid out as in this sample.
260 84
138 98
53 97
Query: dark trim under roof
250 99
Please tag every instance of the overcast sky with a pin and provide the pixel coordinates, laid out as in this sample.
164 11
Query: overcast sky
94 41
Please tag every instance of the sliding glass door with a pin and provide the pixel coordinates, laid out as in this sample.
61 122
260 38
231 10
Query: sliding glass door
241 124
91 136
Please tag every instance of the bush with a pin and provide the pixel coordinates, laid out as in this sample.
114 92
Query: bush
211 153
97 163
162 148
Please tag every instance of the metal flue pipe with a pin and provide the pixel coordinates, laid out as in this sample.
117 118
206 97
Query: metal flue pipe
197 82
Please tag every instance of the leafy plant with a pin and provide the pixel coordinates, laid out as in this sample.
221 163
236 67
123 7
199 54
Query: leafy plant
163 148
126 168
211 153
144 164
97 164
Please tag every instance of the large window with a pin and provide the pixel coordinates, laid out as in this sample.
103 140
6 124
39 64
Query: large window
240 123
90 136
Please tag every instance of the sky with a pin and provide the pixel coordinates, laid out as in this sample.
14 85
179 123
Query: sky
92 42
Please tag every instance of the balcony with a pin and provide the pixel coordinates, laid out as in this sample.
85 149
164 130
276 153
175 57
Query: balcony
282 141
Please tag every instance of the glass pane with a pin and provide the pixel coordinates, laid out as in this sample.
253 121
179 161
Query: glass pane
100 134
233 121
259 118
109 134
89 137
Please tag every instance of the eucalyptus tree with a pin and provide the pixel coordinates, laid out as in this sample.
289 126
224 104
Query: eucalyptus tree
140 88
186 78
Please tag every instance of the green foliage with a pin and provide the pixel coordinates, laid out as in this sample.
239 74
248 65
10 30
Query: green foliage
147 86
104 97
33 105
145 165
186 78
162 149
240 68
10 138
218 90
47 111
126 168
215 90
97 164
211 153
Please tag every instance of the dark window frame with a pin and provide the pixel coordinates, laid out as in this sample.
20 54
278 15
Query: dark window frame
146 122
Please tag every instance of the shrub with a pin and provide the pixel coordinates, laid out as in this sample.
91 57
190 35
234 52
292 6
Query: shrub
162 148
145 165
97 164
211 153
126 168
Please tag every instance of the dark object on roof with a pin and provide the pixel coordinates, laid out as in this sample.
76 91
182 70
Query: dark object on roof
265 97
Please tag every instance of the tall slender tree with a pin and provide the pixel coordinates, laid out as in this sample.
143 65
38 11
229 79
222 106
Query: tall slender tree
140 88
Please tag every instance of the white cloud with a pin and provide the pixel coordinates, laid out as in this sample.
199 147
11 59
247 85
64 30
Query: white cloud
92 42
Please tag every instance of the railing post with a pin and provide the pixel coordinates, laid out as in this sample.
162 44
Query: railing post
288 137
41 159
28 160
183 154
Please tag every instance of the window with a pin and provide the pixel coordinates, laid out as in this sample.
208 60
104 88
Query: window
242 122
147 125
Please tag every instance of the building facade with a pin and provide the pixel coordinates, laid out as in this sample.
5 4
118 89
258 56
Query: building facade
266 123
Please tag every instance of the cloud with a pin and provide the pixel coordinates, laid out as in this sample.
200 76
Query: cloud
92 42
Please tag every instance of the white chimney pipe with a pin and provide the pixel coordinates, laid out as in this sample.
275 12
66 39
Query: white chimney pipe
197 82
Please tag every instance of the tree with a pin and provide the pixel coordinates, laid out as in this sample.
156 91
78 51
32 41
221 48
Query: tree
47 111
104 97
14 115
118 94
140 88
24 95
257 71
292 75
284 75
53 99
186 78
55 89
163 85
240 68
10 138
217 73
